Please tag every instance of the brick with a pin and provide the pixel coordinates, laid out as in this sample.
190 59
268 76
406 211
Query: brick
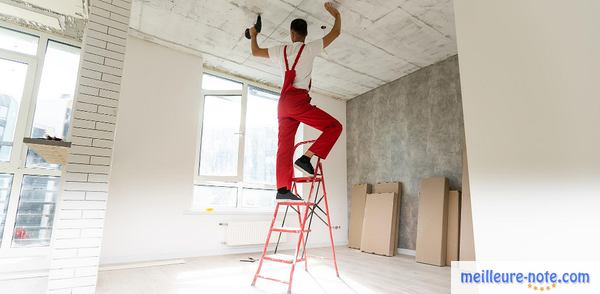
81 141
106 37
78 243
94 151
88 90
107 110
62 273
59 233
86 106
75 158
92 233
90 270
111 23
96 196
83 204
88 73
116 48
105 126
101 68
100 160
97 178
117 33
110 7
98 100
94 214
95 169
102 143
74 282
84 290
108 94
119 18
98 84
112 62
87 56
83 124
81 223
100 12
105 53
94 116
93 25
93 133
122 4
77 177
88 186
111 78
72 195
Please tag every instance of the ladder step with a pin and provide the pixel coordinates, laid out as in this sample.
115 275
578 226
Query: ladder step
307 179
283 258
273 279
295 203
289 230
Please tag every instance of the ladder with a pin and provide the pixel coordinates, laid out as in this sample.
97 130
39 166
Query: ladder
305 211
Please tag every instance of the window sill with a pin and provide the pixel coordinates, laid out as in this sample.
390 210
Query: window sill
232 211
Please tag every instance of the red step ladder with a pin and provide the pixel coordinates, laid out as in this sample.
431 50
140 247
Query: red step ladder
305 210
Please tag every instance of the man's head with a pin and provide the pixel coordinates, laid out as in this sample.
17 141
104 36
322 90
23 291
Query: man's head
298 30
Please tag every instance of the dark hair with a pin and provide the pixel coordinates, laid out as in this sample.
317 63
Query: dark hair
299 26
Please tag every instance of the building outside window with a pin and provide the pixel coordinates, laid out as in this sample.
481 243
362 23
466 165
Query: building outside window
38 77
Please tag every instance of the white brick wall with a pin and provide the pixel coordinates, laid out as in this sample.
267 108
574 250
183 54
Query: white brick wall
81 209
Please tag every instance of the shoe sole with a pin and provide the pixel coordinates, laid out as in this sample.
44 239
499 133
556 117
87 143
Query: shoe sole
289 200
303 170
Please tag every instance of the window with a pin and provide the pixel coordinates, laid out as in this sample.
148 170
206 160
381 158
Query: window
38 77
238 146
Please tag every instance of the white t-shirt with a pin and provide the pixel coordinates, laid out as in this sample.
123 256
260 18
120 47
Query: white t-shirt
305 63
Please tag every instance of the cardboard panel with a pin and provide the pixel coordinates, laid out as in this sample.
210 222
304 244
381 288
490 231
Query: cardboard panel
357 212
377 225
392 187
467 242
453 227
432 227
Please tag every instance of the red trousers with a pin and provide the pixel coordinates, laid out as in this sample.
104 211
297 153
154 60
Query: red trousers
294 108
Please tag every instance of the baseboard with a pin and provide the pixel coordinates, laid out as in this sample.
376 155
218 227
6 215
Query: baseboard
140 264
408 252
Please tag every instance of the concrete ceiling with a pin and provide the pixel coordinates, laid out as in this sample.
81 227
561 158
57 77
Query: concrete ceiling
60 17
382 40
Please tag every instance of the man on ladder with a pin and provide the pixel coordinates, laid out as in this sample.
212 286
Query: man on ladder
294 103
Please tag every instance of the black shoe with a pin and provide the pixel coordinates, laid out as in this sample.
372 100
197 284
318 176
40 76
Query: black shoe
287 196
304 164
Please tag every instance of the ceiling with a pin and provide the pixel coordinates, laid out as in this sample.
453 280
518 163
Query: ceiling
381 41
61 17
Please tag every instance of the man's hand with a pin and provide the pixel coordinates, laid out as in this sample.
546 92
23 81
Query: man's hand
253 32
337 26
331 9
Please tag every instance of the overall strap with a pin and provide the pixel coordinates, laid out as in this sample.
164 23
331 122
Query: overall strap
295 61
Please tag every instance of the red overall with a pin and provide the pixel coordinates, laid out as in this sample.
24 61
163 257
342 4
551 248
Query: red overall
294 108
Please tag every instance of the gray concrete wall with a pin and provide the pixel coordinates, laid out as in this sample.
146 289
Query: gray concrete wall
407 130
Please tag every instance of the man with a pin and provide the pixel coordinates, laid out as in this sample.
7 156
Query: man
296 61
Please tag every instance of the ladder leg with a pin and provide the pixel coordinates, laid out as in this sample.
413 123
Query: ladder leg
300 238
302 241
329 226
260 263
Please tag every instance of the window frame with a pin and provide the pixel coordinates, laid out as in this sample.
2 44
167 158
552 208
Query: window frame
236 181
17 164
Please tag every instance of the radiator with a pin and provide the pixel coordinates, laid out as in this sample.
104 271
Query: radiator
249 233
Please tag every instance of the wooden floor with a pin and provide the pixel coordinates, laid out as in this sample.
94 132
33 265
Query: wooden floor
359 273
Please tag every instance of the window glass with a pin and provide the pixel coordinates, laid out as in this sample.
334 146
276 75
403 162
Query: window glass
220 136
258 198
12 82
210 82
5 185
18 42
55 97
260 137
35 213
213 196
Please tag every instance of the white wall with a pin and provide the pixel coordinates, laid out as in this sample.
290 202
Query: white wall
153 167
531 98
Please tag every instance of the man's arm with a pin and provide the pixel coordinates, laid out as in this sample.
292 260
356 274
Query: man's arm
337 27
257 51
